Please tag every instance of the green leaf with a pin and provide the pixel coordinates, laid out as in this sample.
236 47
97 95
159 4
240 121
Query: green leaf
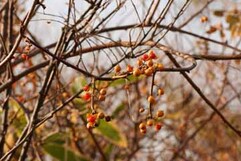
79 102
54 145
112 133
62 153
78 84
118 109
20 121
129 79
56 138
108 149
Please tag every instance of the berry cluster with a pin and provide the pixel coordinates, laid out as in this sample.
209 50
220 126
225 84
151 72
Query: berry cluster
152 122
87 94
93 119
145 65
92 94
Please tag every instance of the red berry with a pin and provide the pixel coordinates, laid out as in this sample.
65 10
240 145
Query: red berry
91 118
145 57
152 55
24 56
158 126
87 96
86 88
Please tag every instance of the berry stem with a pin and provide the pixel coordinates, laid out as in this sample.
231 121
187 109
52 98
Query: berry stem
151 93
92 96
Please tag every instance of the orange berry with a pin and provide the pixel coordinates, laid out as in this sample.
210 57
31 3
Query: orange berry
139 62
101 97
160 91
65 94
142 70
143 131
129 68
211 30
27 48
141 109
151 100
150 122
159 66
126 87
204 19
89 125
103 91
100 115
117 68
136 72
150 63
152 68
160 113
148 72
142 126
